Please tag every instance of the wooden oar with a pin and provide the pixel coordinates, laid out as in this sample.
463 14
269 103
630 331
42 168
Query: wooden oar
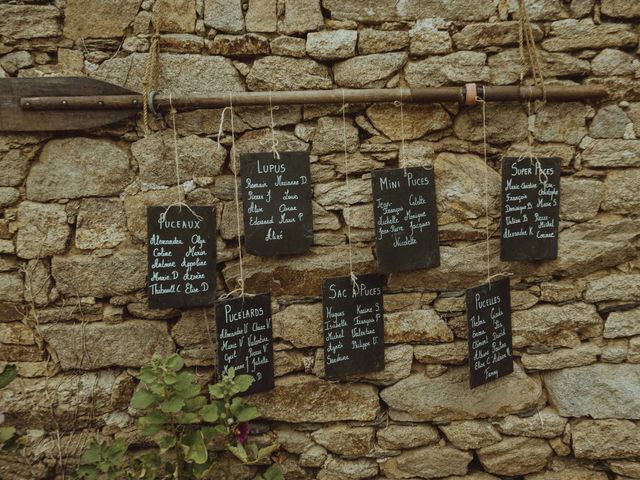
76 103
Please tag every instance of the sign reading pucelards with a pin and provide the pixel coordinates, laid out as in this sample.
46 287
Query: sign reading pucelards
353 327
489 332
181 255
530 209
277 203
245 339
405 214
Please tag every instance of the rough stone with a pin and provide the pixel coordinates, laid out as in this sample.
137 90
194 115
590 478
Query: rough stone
15 163
617 286
574 34
78 167
14 61
332 44
135 207
455 353
427 462
417 326
561 122
303 398
543 424
515 456
100 224
609 122
89 275
289 46
552 10
286 73
626 467
329 136
611 153
471 434
299 324
262 16
368 71
37 280
448 397
456 68
345 440
177 16
505 66
428 39
301 16
313 457
98 18
505 123
622 324
584 354
552 325
613 62
29 21
336 195
453 10
605 439
620 9
191 329
398 437
480 35
188 74
338 468
598 391
224 15
418 120
8 196
381 41
246 45
620 195
100 345
376 11
581 198
42 230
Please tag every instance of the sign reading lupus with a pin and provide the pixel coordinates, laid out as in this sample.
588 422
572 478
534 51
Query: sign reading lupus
277 203
181 255
489 332
353 325
530 209
405 214
245 339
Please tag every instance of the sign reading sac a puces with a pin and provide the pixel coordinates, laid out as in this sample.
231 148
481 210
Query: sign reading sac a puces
489 332
405 213
530 209
277 203
181 255
245 339
353 314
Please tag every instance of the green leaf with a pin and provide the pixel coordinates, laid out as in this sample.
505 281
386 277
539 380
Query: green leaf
87 471
197 451
239 452
146 375
93 453
273 473
6 433
8 374
190 418
241 384
267 451
242 411
216 391
209 413
173 404
174 362
143 399
167 442
157 389
253 450
152 423
209 433
194 404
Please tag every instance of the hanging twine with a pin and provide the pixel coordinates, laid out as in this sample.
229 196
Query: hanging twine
274 142
486 181
402 155
528 50
151 73
352 275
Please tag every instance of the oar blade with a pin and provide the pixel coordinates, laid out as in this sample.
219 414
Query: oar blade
14 119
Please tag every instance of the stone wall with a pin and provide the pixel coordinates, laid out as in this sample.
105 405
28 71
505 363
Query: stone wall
73 309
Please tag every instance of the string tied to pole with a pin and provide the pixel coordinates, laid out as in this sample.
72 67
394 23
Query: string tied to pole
151 76
274 140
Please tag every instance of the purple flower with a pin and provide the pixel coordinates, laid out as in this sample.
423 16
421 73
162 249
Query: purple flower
241 432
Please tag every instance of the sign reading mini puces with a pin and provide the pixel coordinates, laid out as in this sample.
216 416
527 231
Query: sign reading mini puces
489 332
245 339
530 209
181 254
353 325
405 213
277 203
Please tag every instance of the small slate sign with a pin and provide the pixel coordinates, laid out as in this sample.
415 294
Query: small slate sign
353 330
489 332
181 254
277 203
530 209
405 214
245 339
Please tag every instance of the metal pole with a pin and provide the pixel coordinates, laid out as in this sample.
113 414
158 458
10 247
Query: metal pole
415 95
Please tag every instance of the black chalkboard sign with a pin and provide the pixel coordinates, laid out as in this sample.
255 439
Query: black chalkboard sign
489 332
405 214
277 203
245 339
181 254
353 315
530 209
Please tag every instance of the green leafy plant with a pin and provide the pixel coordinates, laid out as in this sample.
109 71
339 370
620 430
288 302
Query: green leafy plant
185 423
9 439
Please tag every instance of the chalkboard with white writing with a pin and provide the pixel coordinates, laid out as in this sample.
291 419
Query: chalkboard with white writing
489 332
245 339
530 209
405 214
277 203
181 253
353 325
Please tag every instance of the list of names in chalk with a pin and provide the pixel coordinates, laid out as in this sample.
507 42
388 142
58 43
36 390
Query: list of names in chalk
530 209
405 213
353 325
277 203
245 339
489 332
181 254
